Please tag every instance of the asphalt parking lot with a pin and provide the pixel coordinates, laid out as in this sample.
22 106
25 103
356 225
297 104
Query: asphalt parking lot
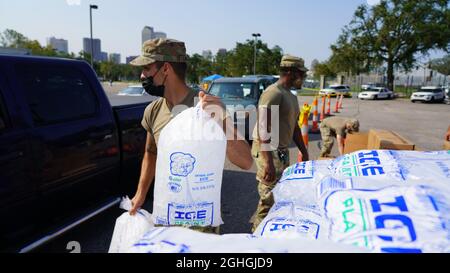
423 123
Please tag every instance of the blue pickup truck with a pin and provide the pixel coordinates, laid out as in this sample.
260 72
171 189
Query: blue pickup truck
67 151
241 96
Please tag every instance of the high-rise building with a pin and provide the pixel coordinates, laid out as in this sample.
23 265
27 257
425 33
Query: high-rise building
130 58
114 57
59 45
149 33
207 54
159 35
221 51
103 56
97 48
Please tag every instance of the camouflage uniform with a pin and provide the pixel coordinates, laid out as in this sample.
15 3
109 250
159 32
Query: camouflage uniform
265 191
327 140
158 114
332 127
276 95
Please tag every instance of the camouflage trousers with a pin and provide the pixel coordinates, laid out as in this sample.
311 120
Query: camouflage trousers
327 141
266 200
207 229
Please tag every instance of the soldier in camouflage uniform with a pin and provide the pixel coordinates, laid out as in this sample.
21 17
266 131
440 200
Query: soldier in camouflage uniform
272 156
163 63
336 127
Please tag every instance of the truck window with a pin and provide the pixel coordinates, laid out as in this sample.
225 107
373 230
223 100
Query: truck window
56 93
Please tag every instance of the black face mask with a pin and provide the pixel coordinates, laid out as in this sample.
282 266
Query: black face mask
150 88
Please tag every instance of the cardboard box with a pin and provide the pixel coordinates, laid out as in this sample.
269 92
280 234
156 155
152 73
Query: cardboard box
388 140
376 140
356 142
447 145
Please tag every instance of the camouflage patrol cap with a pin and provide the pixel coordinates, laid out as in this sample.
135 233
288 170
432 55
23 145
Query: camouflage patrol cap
161 50
292 61
354 123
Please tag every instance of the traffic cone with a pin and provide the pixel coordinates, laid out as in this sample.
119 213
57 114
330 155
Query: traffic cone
329 106
315 126
340 101
322 113
303 123
336 108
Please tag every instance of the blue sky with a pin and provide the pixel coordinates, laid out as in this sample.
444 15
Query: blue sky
304 28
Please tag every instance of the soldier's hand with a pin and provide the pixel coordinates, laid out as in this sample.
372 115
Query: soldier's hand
212 104
269 174
137 203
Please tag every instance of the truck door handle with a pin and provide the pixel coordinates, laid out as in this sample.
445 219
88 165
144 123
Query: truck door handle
11 156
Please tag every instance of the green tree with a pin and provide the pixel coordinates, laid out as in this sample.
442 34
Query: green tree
240 61
323 69
347 57
220 64
192 72
442 65
241 58
397 32
313 64
13 39
268 60
198 67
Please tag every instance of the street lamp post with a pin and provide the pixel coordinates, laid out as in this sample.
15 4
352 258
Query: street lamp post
91 7
256 35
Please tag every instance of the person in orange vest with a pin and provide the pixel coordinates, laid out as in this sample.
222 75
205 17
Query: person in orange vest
447 136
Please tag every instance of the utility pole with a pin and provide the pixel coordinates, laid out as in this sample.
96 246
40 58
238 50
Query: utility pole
91 7
256 35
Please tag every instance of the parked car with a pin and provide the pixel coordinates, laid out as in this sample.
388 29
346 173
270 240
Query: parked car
241 96
370 85
133 90
66 154
376 93
334 90
428 94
